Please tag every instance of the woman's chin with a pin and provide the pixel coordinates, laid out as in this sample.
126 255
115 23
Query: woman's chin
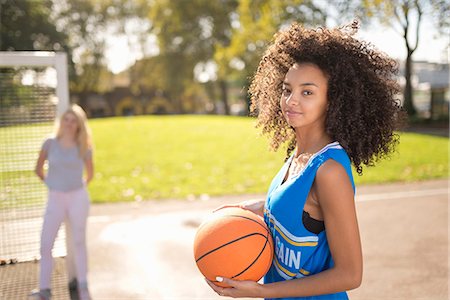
293 123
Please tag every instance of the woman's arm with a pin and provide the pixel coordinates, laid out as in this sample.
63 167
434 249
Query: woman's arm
335 194
39 170
89 165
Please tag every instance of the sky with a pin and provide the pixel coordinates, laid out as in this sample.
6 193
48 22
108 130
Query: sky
430 48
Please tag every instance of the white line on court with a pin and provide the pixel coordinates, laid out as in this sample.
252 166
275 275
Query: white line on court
359 198
400 195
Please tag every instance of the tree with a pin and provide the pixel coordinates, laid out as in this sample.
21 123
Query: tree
187 32
254 24
227 35
400 16
86 22
27 25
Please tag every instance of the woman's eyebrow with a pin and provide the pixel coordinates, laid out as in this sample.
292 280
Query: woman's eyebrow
301 84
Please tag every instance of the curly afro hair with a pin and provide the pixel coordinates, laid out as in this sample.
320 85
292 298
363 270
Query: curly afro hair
363 111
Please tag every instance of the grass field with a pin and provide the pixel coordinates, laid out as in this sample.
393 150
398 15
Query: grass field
179 157
189 157
195 157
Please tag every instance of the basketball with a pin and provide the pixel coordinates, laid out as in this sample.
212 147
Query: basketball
234 243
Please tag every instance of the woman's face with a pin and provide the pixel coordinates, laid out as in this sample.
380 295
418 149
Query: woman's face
69 124
304 98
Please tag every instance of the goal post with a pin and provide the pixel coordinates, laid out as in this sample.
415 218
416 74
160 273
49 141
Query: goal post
57 60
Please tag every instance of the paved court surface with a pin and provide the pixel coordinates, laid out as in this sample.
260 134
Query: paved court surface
19 279
143 250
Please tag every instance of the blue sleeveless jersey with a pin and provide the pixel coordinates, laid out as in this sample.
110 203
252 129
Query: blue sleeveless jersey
298 252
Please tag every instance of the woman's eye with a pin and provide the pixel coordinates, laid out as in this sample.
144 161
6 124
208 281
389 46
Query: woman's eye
307 93
286 92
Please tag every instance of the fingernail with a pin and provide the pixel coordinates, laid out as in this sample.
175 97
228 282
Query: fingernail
219 279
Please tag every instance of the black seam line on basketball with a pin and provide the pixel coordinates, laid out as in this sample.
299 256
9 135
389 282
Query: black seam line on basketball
230 242
265 244
238 216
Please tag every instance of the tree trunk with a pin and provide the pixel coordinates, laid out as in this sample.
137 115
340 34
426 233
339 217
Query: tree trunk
433 105
408 91
224 95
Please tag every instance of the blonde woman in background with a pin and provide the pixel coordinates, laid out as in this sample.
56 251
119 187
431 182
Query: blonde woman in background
69 154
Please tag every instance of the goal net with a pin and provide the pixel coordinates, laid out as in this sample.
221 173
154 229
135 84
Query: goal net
33 93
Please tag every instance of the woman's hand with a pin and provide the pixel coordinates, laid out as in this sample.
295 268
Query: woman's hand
256 206
237 289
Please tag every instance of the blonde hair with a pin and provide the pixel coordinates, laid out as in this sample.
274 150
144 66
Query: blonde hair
83 135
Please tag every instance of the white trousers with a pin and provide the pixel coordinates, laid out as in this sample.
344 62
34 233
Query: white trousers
73 209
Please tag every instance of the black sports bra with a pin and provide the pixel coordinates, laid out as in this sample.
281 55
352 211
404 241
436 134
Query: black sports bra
311 224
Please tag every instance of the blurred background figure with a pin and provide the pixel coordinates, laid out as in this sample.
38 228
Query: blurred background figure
68 155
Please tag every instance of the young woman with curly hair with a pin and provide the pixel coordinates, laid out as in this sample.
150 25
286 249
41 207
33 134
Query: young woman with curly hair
331 99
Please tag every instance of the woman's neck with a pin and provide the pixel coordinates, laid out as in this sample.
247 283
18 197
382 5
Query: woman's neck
311 142
68 139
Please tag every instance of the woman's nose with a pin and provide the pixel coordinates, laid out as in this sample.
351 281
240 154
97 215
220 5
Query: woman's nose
292 99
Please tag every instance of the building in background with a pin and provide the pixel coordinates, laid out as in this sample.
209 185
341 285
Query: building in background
431 89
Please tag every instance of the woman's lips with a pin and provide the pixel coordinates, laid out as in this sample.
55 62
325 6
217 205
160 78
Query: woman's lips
291 113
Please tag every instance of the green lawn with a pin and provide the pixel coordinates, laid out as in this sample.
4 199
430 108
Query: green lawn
157 157
179 157
418 157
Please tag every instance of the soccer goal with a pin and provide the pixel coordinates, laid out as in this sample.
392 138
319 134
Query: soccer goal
33 93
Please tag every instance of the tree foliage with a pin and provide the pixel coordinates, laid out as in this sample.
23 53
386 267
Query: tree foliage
27 25
255 23
187 32
228 34
76 27
223 39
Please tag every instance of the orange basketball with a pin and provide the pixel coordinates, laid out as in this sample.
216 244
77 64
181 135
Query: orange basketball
233 243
